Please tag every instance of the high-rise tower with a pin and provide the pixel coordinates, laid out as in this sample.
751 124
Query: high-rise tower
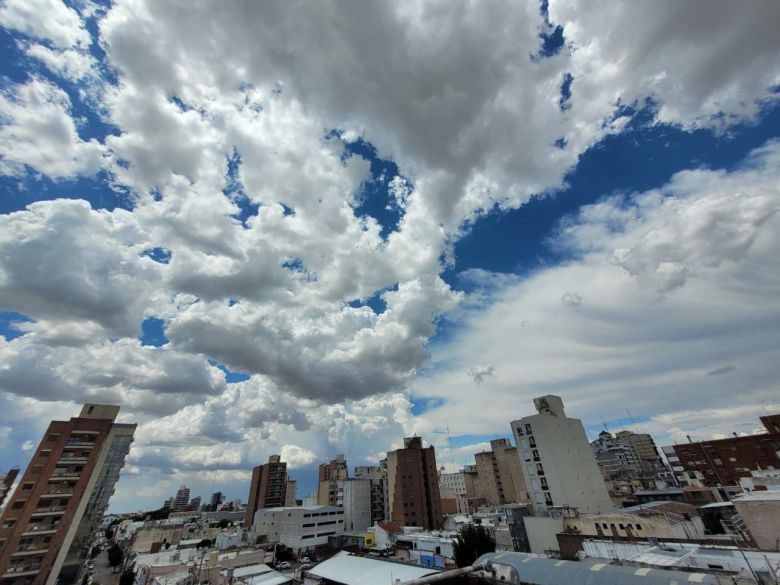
48 525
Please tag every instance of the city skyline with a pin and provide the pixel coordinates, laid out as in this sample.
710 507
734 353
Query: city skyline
328 229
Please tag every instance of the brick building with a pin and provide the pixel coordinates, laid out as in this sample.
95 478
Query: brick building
268 488
723 462
47 528
414 485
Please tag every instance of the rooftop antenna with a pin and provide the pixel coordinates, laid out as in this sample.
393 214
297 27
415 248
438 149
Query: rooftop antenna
604 422
633 423
452 453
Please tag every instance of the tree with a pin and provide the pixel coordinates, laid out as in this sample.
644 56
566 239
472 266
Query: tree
205 543
115 556
109 533
224 523
472 542
127 577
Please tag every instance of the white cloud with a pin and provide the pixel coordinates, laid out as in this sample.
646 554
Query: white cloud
38 131
628 347
51 20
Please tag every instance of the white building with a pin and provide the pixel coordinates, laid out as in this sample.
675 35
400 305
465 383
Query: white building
557 460
346 569
354 495
301 527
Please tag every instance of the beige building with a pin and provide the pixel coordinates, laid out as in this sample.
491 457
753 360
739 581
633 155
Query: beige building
652 520
760 511
330 475
268 488
559 467
500 475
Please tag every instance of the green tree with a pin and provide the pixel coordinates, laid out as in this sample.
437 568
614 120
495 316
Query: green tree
223 523
127 577
471 543
109 533
115 556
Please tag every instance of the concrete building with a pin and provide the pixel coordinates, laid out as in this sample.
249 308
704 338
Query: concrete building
559 467
760 513
377 475
289 497
329 476
460 487
413 484
182 499
500 475
268 488
6 483
723 462
301 528
194 504
354 495
47 528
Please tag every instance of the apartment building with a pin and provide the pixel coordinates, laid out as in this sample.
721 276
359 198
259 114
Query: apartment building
723 462
500 474
559 467
6 483
329 476
301 528
47 527
182 499
268 488
377 476
412 480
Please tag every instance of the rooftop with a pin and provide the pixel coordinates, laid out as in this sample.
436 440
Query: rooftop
767 496
352 570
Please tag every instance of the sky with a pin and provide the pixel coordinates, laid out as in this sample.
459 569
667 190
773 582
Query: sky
313 229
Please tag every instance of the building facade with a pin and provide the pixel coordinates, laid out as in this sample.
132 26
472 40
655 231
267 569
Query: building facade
723 462
329 476
500 475
413 484
377 475
300 528
182 499
6 483
559 467
268 488
47 528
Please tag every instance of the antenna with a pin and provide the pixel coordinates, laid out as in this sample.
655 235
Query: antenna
452 453
604 422
633 424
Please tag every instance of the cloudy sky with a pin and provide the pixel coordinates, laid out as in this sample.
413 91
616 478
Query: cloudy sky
313 228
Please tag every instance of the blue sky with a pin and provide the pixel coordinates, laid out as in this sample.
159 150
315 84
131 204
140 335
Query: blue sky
343 235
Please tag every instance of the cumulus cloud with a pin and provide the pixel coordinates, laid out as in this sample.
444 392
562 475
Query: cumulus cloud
627 341
38 131
243 174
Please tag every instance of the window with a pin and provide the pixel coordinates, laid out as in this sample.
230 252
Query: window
51 438
28 485
9 523
90 409
44 453
36 469
639 527
18 505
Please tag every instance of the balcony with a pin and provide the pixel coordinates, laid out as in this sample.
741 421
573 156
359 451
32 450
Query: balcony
72 460
57 491
50 511
36 529
63 475
22 571
31 549
79 445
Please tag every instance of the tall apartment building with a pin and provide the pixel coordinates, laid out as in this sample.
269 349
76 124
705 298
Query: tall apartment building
268 488
559 467
723 462
6 483
194 504
413 484
377 476
46 530
330 474
216 501
643 445
500 474
182 499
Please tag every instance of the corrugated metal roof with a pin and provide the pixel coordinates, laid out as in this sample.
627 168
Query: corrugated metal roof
540 571
352 570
